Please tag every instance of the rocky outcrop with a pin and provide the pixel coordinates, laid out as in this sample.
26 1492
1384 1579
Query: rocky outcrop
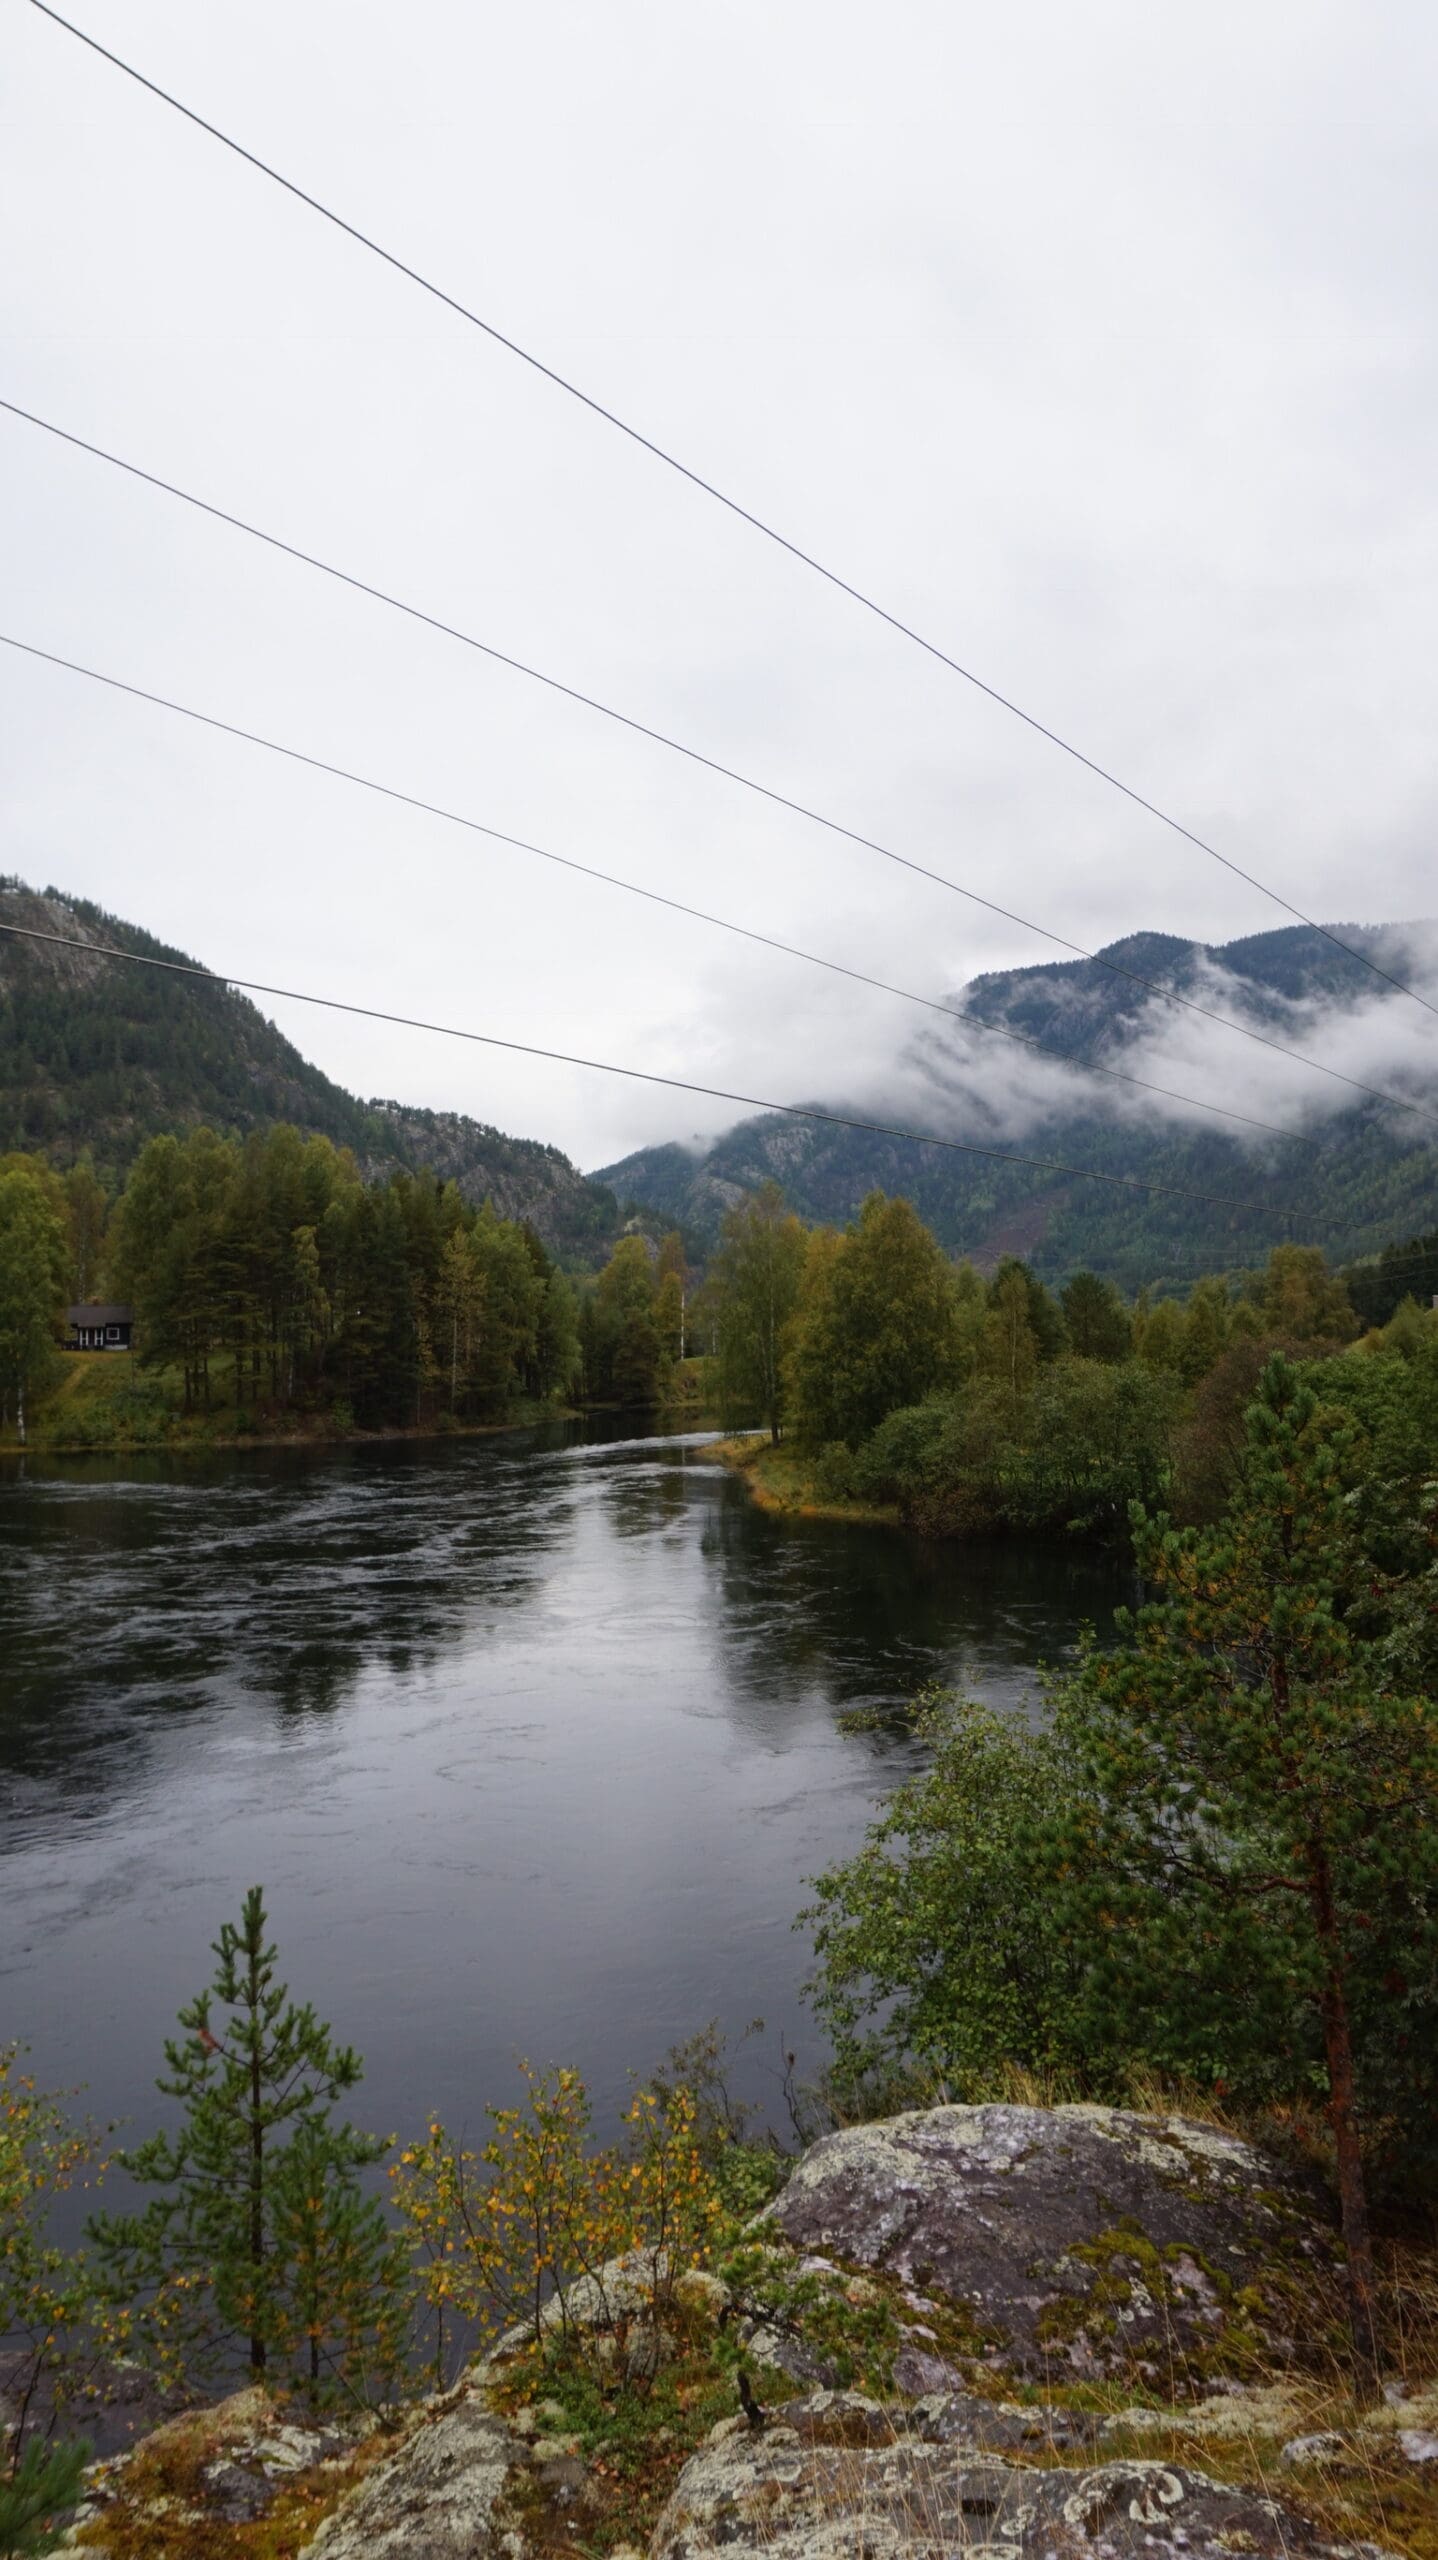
975 2249
442 2497
231 2463
833 2476
1078 2239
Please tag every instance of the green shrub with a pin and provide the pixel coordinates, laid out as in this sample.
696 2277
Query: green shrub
936 1943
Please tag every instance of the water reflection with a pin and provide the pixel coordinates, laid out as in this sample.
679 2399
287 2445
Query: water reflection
534 1740
871 1616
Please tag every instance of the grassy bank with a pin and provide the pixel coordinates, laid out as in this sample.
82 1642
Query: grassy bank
108 1400
781 1480
104 1401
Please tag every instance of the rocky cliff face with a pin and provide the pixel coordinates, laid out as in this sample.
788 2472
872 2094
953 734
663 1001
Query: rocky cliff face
1108 2335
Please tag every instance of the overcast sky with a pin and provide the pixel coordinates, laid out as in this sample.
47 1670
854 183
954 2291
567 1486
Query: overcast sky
1098 341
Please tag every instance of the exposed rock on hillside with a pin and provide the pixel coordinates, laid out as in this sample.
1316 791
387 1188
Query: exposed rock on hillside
97 1052
1079 2238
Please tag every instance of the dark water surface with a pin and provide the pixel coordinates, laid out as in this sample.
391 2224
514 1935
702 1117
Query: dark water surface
532 1740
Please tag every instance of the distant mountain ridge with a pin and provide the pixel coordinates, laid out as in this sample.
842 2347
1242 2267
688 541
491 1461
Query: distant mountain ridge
95 1054
1374 1176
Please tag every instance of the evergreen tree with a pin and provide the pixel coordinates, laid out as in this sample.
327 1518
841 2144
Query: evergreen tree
459 1314
340 2297
1257 1870
89 1211
1045 1316
253 2084
1097 1321
38 2497
556 1337
34 1262
671 1274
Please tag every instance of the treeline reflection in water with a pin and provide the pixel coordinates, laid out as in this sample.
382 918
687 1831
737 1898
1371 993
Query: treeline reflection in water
533 1739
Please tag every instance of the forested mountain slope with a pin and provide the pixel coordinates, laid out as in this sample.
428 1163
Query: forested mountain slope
95 1054
1353 1174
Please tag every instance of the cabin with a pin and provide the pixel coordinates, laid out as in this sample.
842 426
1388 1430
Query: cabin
98 1327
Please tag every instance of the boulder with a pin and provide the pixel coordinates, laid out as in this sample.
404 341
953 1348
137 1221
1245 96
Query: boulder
439 2496
1077 2239
823 2482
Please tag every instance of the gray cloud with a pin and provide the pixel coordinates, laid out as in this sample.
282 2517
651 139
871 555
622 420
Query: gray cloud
1100 343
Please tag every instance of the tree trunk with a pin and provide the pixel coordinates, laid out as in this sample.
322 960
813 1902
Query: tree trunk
1343 2116
257 2200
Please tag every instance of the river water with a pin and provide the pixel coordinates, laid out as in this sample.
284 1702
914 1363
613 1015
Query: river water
532 1740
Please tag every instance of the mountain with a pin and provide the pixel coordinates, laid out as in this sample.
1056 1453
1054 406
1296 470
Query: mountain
1353 1173
96 1054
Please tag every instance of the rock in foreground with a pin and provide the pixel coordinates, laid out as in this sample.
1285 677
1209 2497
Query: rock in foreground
1079 2238
441 2498
830 2479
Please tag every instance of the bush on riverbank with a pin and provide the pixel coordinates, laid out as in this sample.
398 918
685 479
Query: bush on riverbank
1218 1864
1069 1454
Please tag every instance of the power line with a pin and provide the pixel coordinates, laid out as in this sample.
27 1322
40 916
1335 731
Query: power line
1380 1263
729 773
1375 1260
1001 1031
710 489
636 1075
475 826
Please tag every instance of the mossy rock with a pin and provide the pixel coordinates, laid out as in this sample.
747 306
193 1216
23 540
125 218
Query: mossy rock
831 2478
1079 2242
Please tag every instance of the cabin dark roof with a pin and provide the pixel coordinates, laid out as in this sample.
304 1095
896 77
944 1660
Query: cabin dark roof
97 1312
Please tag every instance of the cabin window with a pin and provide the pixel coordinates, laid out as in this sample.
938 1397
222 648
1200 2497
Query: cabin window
112 1333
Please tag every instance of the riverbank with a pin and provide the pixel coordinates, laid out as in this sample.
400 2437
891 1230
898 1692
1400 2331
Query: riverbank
105 1402
779 1479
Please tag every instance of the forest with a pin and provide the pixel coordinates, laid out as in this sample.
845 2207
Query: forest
270 1280
900 1381
274 1287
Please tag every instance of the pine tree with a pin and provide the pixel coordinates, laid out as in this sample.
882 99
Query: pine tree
1097 1321
34 1259
252 2085
340 2294
36 2500
1256 1871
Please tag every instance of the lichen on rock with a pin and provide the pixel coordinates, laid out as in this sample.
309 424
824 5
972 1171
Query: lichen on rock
1083 2239
919 2486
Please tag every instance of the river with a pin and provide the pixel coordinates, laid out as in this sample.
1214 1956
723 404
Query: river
532 1740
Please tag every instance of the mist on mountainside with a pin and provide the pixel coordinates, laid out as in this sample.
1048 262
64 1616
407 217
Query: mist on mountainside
1036 1061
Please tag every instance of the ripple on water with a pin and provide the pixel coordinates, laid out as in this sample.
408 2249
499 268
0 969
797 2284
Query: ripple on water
532 1744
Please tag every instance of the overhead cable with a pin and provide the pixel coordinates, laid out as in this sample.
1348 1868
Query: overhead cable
475 826
996 1030
710 489
635 1075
